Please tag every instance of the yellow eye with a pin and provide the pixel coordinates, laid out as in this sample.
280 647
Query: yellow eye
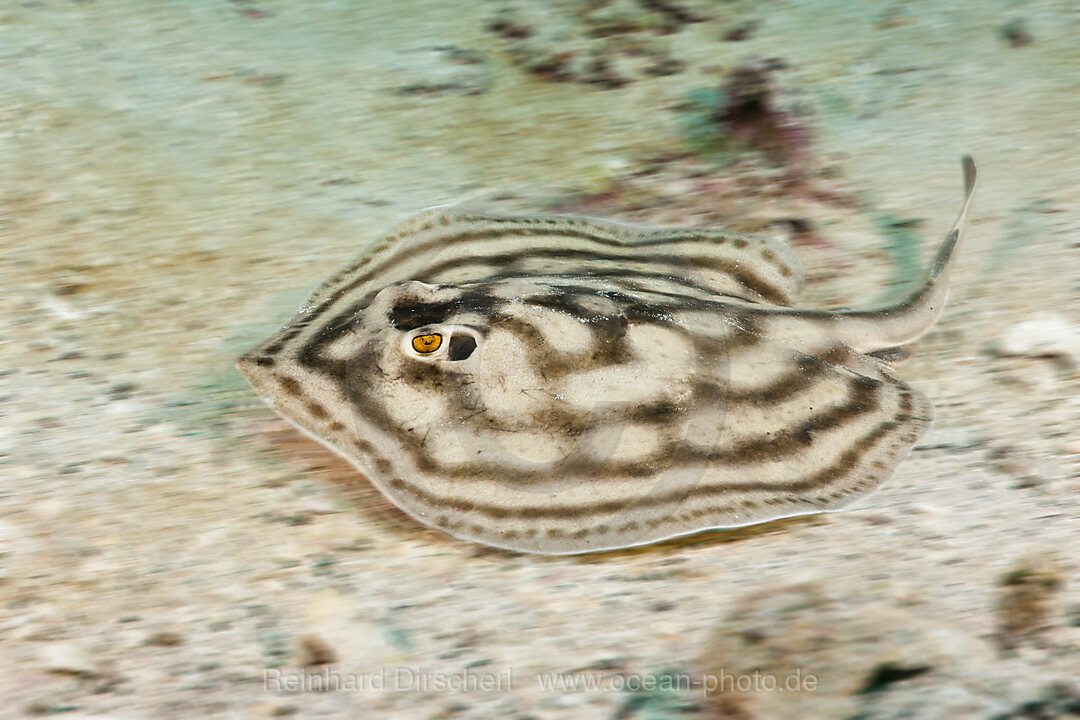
427 343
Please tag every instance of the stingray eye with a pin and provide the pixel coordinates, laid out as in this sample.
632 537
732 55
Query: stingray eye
426 344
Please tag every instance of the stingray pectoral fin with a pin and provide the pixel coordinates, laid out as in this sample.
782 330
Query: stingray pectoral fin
895 325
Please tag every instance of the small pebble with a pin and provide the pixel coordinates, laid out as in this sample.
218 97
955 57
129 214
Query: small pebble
742 31
1016 33
1029 588
315 650
1046 335
67 659
165 639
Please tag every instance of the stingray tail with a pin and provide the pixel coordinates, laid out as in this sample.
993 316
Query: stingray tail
899 324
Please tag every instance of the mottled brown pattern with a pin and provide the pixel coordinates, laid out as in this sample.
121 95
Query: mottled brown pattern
599 385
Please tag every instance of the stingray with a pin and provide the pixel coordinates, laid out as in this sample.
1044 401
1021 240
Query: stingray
560 384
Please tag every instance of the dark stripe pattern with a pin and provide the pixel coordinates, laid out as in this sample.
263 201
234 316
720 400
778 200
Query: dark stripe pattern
617 384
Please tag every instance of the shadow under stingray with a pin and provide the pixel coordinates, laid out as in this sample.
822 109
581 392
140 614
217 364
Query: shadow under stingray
315 458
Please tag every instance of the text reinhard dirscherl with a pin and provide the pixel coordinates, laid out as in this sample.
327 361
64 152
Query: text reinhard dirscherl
471 680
